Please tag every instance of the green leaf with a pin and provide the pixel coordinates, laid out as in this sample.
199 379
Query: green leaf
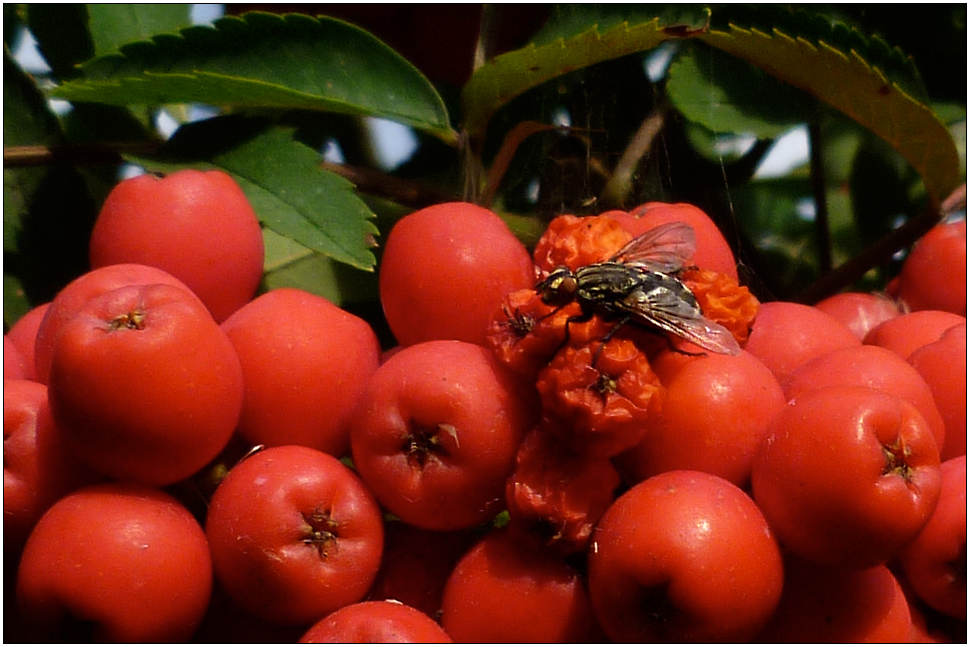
26 117
727 95
814 27
263 60
568 20
849 83
507 76
291 265
283 180
47 211
879 184
113 25
861 76
15 304
27 121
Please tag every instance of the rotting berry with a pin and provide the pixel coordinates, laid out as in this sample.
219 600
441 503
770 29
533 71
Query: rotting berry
723 300
573 241
598 397
527 333
555 495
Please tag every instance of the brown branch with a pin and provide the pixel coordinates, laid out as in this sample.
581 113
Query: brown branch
617 189
403 192
956 201
471 151
471 170
76 154
487 35
878 253
506 153
882 251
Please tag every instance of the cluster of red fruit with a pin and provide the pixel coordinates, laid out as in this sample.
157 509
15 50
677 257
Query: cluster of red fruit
517 470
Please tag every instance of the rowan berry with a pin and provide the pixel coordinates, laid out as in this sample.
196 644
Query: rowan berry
556 495
599 396
573 241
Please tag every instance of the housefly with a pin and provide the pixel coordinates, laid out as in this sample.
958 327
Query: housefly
639 285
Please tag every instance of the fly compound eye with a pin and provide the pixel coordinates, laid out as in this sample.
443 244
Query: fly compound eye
558 288
567 285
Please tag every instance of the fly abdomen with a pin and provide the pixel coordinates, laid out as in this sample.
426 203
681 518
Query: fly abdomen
676 287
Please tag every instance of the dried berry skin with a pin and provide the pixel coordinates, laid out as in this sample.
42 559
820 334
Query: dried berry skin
598 397
526 333
555 495
573 241
723 300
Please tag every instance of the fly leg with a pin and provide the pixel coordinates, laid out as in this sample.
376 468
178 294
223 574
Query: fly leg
607 337
580 318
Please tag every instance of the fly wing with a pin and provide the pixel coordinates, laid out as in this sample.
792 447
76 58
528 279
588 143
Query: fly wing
664 248
663 309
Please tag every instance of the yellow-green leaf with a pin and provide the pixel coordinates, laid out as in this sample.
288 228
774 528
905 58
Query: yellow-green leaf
858 89
505 77
835 64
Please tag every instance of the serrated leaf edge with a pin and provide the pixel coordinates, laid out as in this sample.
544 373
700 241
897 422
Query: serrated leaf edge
224 27
338 252
938 186
478 112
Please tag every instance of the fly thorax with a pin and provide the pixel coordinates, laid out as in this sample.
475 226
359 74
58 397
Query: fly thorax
607 280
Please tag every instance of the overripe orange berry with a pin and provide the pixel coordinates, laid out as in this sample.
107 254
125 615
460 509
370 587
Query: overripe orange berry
573 241
525 333
597 397
723 300
556 495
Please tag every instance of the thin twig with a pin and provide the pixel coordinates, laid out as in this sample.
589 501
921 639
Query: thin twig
878 253
485 47
403 192
472 155
617 188
823 240
506 153
956 201
76 154
471 168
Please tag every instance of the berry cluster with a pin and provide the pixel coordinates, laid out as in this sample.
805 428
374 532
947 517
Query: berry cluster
607 439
